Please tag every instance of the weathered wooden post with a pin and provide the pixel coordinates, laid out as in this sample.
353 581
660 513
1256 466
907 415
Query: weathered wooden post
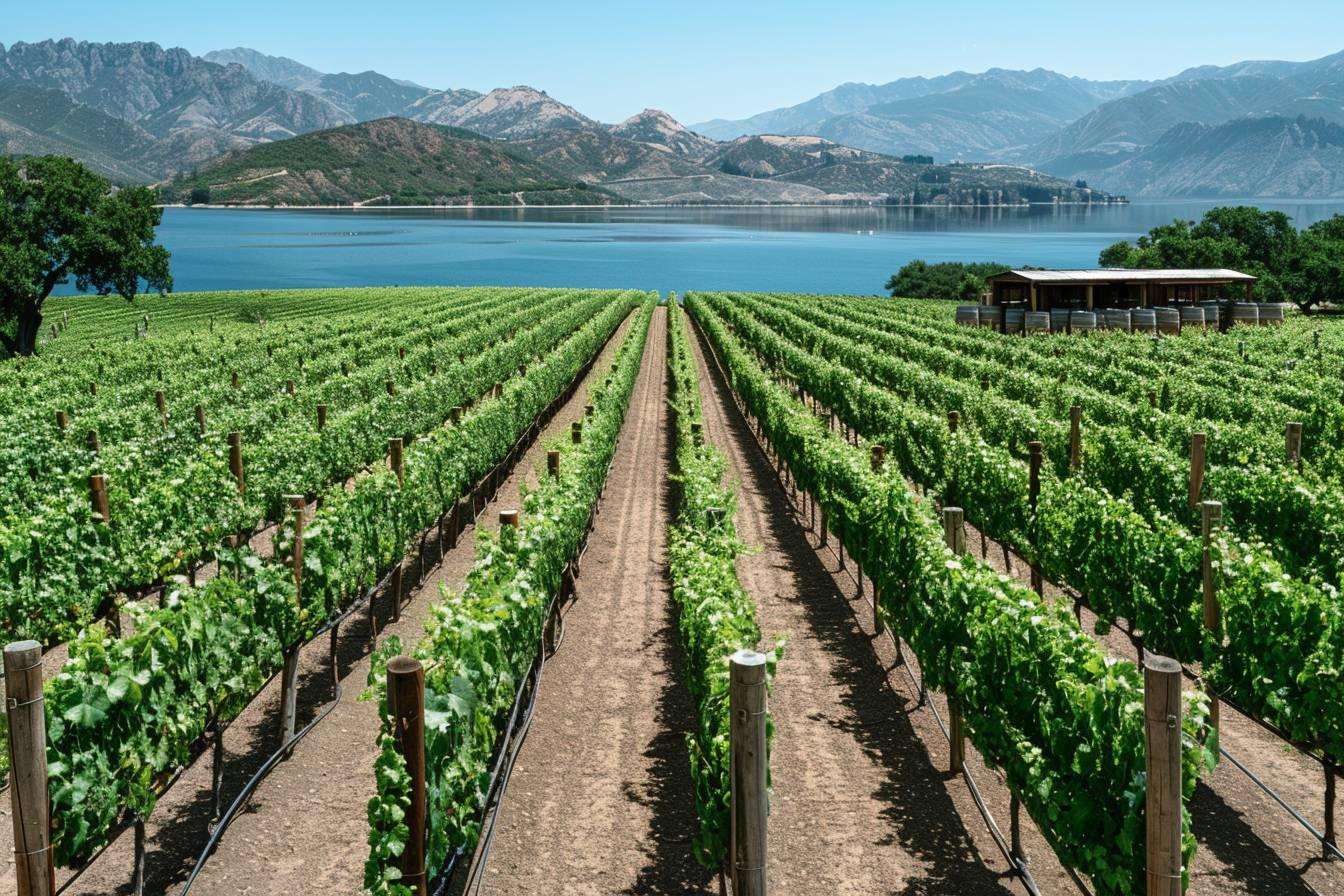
162 402
553 464
29 799
576 432
406 706
750 800
289 675
321 417
391 387
1152 397
1162 743
1293 445
1197 448
953 421
396 460
954 531
289 388
508 518
235 380
98 498
1211 513
93 388
1075 437
1033 497
236 461
200 419
95 443
589 410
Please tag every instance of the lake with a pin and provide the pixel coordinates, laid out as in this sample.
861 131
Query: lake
841 250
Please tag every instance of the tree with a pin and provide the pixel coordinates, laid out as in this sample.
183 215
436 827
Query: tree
946 280
1289 266
59 220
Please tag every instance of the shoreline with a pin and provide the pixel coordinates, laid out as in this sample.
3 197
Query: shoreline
612 206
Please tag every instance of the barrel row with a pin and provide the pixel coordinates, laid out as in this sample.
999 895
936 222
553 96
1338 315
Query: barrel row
1137 320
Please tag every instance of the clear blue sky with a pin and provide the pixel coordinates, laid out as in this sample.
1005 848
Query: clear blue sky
702 60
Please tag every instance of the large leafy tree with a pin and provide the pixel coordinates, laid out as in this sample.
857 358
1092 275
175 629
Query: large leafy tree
60 222
1306 268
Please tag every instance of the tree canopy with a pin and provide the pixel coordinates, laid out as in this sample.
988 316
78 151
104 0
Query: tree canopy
1305 267
60 222
944 280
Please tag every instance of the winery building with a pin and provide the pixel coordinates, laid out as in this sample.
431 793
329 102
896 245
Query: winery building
1044 290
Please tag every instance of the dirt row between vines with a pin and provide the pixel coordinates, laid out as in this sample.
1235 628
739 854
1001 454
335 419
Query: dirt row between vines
304 828
1247 843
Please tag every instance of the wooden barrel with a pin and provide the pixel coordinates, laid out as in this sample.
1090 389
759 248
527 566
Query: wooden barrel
1213 313
968 315
1013 320
1059 319
1192 318
1245 313
1037 321
1083 321
1168 320
1118 319
1144 320
1271 314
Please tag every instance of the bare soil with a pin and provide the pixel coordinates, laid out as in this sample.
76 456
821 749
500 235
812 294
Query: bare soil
600 798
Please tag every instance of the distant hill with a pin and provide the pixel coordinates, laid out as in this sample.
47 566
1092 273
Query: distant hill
388 161
656 128
1100 145
841 171
951 116
44 121
163 91
1268 156
396 161
276 69
515 113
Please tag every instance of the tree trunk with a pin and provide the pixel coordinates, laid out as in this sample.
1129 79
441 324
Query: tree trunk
27 326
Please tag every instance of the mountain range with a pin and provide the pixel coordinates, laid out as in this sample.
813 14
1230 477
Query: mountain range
1133 137
138 112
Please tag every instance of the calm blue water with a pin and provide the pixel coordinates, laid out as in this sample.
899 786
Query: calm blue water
763 249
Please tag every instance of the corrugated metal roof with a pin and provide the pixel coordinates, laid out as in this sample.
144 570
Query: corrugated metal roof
1113 274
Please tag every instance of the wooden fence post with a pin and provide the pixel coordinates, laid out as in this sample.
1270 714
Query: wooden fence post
953 421
162 402
1033 496
1162 743
553 464
406 706
200 419
750 800
289 388
396 459
1075 437
508 518
236 461
98 498
576 432
62 420
289 677
321 417
589 410
954 531
95 444
1211 521
235 379
1293 446
28 794
1197 448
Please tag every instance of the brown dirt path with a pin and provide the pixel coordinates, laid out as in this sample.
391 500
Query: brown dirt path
304 828
859 805
600 799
